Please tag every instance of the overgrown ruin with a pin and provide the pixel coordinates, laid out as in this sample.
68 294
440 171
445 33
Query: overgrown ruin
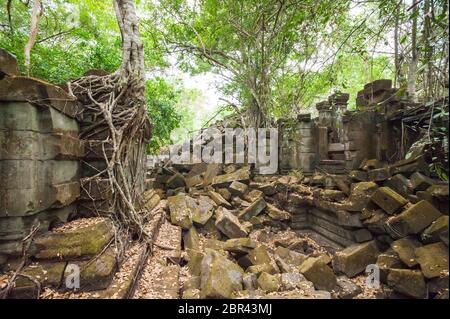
354 191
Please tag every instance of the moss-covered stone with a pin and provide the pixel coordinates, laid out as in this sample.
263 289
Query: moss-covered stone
79 243
319 273
220 277
269 283
408 282
433 259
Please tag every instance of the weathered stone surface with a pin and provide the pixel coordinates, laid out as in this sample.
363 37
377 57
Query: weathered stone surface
347 289
316 271
180 212
379 174
437 230
229 224
176 181
359 176
268 282
195 262
386 261
413 220
408 282
220 277
191 239
8 64
254 209
388 200
218 199
24 89
376 222
204 211
237 188
225 193
268 189
291 281
82 242
260 260
433 259
190 294
253 195
354 259
276 213
405 248
420 182
98 274
400 184
360 195
349 219
239 246
250 282
241 175
333 195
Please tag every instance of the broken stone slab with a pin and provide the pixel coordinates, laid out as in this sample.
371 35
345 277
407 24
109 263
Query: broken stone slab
241 175
436 231
370 164
348 219
239 246
360 195
225 193
176 181
277 214
83 242
332 195
354 259
379 174
237 188
359 176
218 199
181 211
212 170
191 239
254 209
388 200
420 182
220 277
400 184
405 248
260 260
386 261
413 220
97 274
292 281
253 195
268 189
319 273
250 282
408 282
438 284
194 262
204 211
347 289
229 224
376 222
433 259
268 282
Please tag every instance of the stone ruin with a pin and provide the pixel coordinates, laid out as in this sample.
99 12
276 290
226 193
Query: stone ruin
347 197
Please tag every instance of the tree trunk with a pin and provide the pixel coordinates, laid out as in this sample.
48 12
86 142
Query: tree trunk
412 72
35 17
118 103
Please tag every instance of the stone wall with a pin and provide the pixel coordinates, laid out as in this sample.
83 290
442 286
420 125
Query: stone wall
339 140
39 156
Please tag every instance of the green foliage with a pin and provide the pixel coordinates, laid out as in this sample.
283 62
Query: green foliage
162 99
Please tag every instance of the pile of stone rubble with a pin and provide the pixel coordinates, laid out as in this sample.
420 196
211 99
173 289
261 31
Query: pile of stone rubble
253 237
